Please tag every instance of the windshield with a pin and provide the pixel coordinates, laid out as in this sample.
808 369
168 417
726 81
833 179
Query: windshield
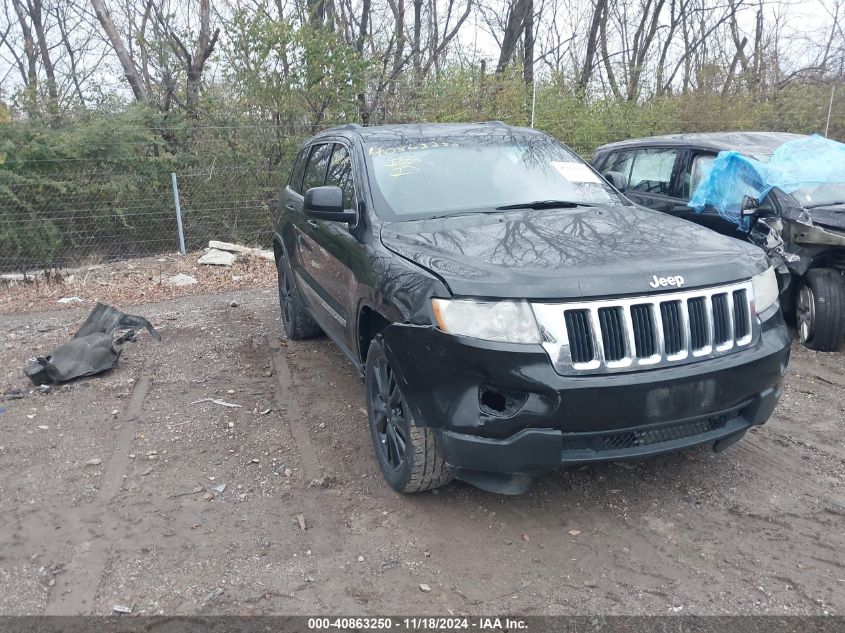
428 177
820 195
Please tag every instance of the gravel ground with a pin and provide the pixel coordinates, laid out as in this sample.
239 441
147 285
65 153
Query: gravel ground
111 493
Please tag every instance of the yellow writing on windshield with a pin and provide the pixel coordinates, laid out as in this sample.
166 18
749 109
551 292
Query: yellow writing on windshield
402 166
398 149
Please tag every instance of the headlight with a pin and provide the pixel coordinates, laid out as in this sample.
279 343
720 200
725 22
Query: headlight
506 321
765 290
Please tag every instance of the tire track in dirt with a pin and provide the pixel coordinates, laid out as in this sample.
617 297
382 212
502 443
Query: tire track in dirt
320 533
286 400
76 589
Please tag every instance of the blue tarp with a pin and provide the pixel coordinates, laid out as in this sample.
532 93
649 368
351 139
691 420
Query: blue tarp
806 162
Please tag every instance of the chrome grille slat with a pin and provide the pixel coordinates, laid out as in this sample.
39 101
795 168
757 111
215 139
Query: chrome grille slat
730 342
598 341
647 331
708 308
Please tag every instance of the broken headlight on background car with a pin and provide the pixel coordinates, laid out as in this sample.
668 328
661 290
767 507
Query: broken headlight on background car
765 290
505 321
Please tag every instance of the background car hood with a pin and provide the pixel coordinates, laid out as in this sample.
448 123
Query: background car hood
832 217
570 253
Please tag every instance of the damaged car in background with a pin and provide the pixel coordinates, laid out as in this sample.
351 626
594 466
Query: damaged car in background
782 192
510 313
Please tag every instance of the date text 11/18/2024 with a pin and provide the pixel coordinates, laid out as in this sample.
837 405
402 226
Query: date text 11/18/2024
418 624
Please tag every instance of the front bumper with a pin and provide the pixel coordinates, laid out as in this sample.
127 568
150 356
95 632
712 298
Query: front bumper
537 420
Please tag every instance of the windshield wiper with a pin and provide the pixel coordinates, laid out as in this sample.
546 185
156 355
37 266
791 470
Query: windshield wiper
544 204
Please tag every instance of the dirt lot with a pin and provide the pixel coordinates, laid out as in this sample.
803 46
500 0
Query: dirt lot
758 529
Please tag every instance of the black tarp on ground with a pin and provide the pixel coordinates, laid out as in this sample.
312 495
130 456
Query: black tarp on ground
95 348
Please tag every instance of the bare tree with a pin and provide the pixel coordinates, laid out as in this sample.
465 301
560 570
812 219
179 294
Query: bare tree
194 62
30 73
599 9
130 70
518 12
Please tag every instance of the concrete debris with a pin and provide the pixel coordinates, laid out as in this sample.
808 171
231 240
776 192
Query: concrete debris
13 277
219 488
181 280
230 247
15 393
222 403
216 257
300 519
321 482
212 595
96 461
425 588
241 250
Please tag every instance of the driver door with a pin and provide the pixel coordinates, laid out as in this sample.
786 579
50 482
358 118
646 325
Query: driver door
333 250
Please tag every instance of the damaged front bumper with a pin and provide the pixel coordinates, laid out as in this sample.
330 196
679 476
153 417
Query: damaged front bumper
502 409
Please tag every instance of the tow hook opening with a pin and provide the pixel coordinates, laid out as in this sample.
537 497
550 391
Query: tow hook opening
498 403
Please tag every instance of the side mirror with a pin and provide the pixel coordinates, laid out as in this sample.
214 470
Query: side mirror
326 203
617 179
749 206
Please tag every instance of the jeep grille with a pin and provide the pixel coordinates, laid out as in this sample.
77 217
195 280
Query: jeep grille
647 331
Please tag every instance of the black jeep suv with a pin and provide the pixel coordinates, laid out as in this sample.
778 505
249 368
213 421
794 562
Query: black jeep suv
510 312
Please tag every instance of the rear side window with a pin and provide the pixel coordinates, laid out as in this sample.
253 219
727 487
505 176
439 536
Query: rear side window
648 171
340 175
298 171
315 169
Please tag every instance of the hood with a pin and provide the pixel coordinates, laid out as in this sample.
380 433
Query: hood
832 217
570 253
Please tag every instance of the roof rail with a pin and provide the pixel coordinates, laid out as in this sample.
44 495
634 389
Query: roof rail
345 126
495 122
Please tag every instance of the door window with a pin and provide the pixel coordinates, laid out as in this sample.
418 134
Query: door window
648 171
298 171
315 170
340 175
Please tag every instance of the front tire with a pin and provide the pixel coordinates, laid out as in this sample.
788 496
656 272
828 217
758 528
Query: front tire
406 453
820 310
298 323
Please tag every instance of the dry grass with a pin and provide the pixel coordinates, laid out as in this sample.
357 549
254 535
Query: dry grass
132 282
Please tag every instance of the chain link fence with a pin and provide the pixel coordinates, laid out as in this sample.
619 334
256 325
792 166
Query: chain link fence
108 195
58 212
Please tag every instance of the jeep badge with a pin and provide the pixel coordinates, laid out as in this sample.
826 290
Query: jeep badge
662 282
